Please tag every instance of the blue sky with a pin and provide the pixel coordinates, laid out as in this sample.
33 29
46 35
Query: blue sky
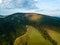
48 7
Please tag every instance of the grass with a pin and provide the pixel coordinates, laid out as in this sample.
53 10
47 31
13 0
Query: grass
35 38
55 36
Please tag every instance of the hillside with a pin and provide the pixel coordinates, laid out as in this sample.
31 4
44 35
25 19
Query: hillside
42 27
35 37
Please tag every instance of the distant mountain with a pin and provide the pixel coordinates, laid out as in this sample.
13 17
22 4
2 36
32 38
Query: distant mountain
14 25
41 19
1 16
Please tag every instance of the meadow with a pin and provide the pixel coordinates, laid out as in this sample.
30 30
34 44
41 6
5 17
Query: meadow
35 37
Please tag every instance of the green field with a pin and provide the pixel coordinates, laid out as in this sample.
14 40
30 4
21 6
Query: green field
35 38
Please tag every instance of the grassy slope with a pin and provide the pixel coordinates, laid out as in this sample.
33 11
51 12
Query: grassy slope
36 38
55 36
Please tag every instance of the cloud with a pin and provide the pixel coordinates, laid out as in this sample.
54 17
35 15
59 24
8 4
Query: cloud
6 4
35 0
49 7
0 1
29 4
26 4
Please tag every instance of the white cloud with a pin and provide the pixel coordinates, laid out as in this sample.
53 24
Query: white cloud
6 4
39 6
35 0
0 1
26 4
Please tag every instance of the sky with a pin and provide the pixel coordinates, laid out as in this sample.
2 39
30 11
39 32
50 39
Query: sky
47 7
